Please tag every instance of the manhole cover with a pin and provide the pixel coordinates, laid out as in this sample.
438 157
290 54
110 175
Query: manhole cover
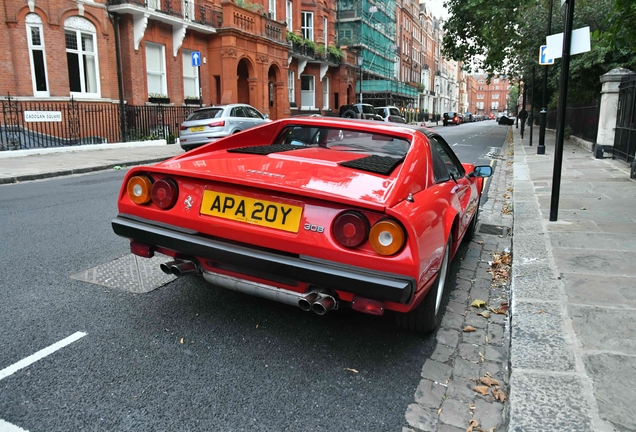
492 229
128 273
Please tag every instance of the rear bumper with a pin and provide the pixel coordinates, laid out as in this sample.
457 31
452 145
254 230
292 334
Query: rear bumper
365 282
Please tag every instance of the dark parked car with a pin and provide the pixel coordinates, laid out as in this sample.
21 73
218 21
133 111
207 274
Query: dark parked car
451 118
359 111
505 120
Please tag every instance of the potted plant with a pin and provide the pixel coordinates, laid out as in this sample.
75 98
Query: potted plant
191 100
158 98
310 46
336 53
320 51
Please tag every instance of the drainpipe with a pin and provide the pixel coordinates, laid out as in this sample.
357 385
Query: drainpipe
114 19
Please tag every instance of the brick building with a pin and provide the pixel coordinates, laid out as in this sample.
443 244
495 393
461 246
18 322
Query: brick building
492 97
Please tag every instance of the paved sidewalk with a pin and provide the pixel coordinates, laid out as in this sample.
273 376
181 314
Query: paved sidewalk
573 350
25 165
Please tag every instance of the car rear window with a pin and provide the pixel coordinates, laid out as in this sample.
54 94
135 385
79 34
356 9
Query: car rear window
395 111
206 114
344 140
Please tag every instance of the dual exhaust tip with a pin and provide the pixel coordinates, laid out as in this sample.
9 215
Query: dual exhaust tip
178 267
320 303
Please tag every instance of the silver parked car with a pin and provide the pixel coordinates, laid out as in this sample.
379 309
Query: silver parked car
391 114
209 124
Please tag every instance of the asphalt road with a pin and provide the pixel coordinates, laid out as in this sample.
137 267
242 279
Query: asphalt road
186 356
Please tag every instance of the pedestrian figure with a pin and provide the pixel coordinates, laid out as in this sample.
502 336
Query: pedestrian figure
523 116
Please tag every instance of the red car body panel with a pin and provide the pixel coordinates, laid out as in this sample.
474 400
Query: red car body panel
312 179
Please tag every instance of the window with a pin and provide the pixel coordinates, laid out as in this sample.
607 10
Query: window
496 80
445 164
288 15
480 96
307 91
325 26
325 93
290 86
190 76
495 96
496 87
272 9
37 55
156 69
81 56
307 25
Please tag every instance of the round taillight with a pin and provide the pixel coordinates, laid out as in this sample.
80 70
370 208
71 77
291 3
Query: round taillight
351 229
387 237
138 189
165 193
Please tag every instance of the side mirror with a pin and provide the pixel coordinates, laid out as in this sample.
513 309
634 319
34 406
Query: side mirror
482 171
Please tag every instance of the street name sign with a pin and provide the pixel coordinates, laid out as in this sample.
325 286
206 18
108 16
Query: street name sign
580 43
42 116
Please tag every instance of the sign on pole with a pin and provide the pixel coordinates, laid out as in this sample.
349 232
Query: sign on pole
580 43
544 60
196 58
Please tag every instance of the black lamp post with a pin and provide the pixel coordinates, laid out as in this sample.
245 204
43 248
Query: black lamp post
544 97
360 62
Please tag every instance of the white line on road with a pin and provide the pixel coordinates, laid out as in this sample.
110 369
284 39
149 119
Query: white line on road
40 355
8 427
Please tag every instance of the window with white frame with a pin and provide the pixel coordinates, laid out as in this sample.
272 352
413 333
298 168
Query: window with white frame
81 57
291 86
495 105
495 96
272 9
325 26
288 15
37 55
307 25
480 96
307 92
156 69
325 93
190 76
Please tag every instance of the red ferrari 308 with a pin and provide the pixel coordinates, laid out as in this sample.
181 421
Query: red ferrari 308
318 213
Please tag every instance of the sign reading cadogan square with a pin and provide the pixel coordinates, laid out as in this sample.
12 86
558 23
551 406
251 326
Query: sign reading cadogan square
42 116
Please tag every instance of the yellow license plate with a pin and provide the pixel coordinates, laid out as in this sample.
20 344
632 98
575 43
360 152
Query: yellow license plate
255 211
197 129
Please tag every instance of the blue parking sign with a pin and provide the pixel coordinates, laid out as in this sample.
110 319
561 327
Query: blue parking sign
543 59
196 58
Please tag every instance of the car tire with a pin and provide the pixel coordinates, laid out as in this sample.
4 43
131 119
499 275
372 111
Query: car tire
426 316
349 114
472 228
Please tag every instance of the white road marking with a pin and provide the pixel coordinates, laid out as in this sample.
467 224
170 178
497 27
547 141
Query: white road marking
461 145
8 427
39 355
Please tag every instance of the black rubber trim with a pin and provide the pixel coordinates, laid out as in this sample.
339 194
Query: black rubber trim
365 282
266 149
375 164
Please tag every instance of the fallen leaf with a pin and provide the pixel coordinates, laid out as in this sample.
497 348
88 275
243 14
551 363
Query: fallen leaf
487 339
482 242
256 325
478 303
472 407
583 208
471 425
492 429
498 394
439 411
181 341
481 356
482 389
489 381
469 329
351 370
485 314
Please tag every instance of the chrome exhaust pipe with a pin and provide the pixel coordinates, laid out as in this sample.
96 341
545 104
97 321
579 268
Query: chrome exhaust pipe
324 304
307 301
178 267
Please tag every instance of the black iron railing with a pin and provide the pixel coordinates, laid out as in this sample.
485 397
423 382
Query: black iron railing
625 135
26 125
189 10
583 121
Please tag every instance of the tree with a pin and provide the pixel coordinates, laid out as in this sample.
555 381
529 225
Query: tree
503 37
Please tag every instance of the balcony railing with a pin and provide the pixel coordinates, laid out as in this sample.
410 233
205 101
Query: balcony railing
197 11
252 22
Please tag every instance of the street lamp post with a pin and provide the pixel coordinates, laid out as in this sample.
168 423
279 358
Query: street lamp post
360 61
544 97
